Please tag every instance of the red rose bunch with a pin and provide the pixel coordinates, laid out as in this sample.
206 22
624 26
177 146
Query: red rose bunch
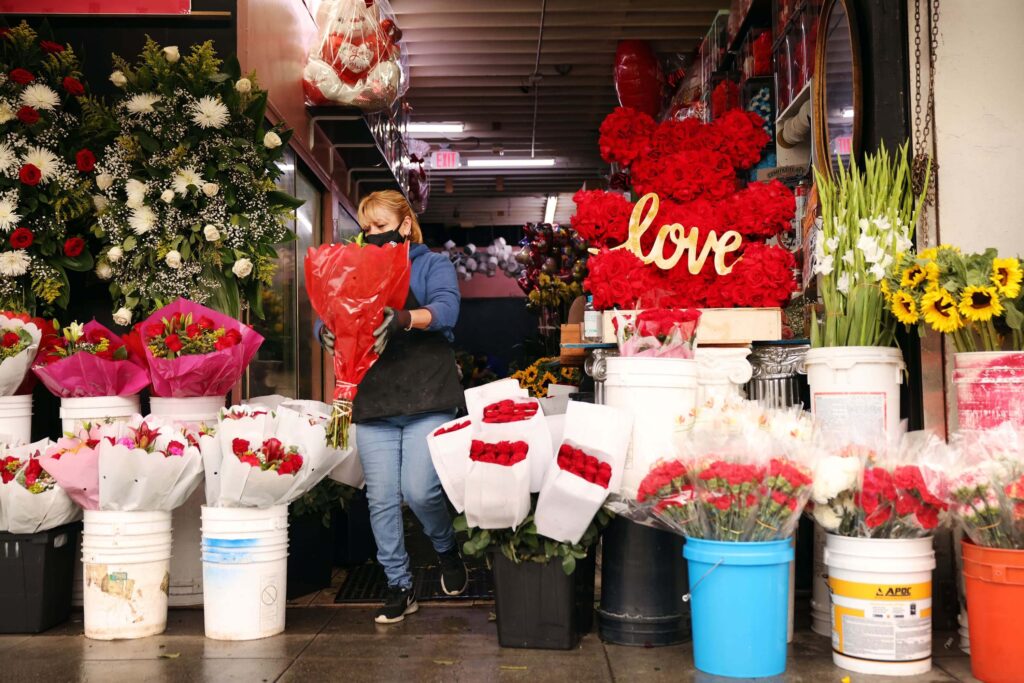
689 135
9 466
509 411
762 277
760 211
272 455
601 218
618 279
181 335
685 176
91 338
625 136
575 461
453 428
663 322
741 137
504 453
724 97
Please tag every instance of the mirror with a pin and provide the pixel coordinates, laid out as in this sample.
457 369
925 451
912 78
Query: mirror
838 108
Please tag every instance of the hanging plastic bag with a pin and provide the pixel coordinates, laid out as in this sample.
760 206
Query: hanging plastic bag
357 59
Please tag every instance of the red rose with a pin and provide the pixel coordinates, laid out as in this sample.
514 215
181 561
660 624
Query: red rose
239 446
154 330
205 324
73 86
73 247
193 331
602 218
28 116
30 175
625 135
905 505
291 465
22 76
51 47
85 160
22 238
928 517
741 137
10 339
173 343
250 459
32 471
274 449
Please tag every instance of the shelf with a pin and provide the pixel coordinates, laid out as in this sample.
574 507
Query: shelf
372 145
759 15
793 107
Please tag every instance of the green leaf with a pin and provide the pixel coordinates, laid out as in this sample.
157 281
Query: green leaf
232 68
257 109
79 264
129 243
460 523
1014 318
278 198
484 539
147 142
568 564
219 78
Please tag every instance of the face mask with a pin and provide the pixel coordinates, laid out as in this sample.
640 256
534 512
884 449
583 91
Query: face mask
382 238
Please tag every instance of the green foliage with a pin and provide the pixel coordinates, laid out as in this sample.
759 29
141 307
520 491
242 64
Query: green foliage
322 500
524 544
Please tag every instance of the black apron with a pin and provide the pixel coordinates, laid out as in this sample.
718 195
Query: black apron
417 373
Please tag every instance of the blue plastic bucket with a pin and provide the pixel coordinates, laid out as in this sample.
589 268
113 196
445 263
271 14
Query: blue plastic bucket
740 606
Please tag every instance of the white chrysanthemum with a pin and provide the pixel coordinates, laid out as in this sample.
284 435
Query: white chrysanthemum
6 112
142 103
39 96
184 178
135 190
43 159
14 263
142 220
210 112
8 158
9 218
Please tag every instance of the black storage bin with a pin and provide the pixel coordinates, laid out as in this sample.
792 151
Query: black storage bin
539 607
353 536
35 578
310 555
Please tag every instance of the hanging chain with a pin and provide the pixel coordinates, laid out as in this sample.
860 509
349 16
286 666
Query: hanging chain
923 130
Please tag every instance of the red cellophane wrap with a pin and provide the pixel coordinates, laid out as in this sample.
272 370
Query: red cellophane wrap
85 374
349 285
208 374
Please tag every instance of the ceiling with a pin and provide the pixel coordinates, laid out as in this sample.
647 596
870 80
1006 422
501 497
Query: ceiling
471 61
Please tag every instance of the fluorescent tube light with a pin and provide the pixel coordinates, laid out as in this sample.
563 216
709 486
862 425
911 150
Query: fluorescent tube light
549 209
429 128
508 163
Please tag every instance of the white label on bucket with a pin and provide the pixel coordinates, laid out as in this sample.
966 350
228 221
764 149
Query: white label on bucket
271 601
849 414
882 622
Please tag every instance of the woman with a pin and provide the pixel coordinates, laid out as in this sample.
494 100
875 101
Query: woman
410 391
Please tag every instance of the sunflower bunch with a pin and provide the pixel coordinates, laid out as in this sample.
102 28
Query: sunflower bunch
552 292
974 298
537 376
867 223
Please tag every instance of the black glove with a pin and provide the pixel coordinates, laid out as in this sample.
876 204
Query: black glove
394 322
326 338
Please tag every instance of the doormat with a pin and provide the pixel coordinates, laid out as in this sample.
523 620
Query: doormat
368 584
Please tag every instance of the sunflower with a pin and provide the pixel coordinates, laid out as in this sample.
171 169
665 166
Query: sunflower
886 290
529 375
913 276
980 303
905 308
1007 276
939 310
932 253
931 273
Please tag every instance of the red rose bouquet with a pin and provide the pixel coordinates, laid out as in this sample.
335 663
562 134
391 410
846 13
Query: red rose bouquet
601 218
516 419
19 344
192 350
30 499
658 333
625 136
449 449
497 489
90 360
349 286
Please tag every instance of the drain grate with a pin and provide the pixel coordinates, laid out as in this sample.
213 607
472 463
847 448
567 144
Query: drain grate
367 584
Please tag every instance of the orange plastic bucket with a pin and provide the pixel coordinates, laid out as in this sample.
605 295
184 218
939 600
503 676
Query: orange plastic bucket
995 608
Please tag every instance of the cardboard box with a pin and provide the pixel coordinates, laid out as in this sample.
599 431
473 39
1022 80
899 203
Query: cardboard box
723 325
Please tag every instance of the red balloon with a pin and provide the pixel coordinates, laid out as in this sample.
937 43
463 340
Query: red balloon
639 80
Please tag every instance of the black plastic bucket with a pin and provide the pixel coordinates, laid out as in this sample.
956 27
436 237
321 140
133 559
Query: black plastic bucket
35 578
643 580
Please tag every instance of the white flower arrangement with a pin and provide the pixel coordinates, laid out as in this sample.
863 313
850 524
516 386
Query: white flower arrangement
204 224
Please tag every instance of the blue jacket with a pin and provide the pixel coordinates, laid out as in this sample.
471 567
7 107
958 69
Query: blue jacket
436 287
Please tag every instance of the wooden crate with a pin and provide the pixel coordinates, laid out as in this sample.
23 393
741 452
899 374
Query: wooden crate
572 334
724 325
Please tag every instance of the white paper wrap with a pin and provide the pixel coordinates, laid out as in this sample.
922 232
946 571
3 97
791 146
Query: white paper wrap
480 397
497 496
534 431
14 369
132 479
450 454
23 512
568 503
600 429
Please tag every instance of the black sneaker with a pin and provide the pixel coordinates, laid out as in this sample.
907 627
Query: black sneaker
397 603
453 572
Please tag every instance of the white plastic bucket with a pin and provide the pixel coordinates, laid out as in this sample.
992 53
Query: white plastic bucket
856 389
126 559
245 571
881 604
16 419
96 410
657 392
989 388
186 588
821 602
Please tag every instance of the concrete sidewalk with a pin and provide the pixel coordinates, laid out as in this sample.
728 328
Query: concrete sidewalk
440 643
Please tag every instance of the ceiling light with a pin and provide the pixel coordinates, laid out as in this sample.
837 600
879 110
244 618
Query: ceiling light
549 209
847 113
430 128
509 163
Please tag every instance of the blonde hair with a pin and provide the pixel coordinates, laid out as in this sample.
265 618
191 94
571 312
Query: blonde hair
392 202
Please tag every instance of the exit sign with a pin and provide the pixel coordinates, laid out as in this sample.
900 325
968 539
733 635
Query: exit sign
445 159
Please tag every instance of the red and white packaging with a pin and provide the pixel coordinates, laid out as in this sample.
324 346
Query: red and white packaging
479 397
449 448
497 496
520 419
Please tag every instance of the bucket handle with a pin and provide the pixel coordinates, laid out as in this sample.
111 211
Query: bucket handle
688 595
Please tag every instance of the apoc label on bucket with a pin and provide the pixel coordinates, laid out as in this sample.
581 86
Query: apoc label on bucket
881 622
847 414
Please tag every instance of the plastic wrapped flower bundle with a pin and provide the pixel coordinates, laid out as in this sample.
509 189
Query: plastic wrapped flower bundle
30 499
19 343
90 360
658 333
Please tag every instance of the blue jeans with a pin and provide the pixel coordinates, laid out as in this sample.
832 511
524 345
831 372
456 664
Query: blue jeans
398 467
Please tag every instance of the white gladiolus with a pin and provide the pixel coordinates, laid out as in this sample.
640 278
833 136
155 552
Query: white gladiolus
848 258
118 78
104 181
104 271
878 272
843 283
167 196
123 316
242 267
211 189
173 259
832 243
171 53
872 251
243 85
824 266
115 254
271 140
211 233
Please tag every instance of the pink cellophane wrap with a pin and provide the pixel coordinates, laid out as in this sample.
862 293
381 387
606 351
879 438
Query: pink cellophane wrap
78 473
211 374
84 374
